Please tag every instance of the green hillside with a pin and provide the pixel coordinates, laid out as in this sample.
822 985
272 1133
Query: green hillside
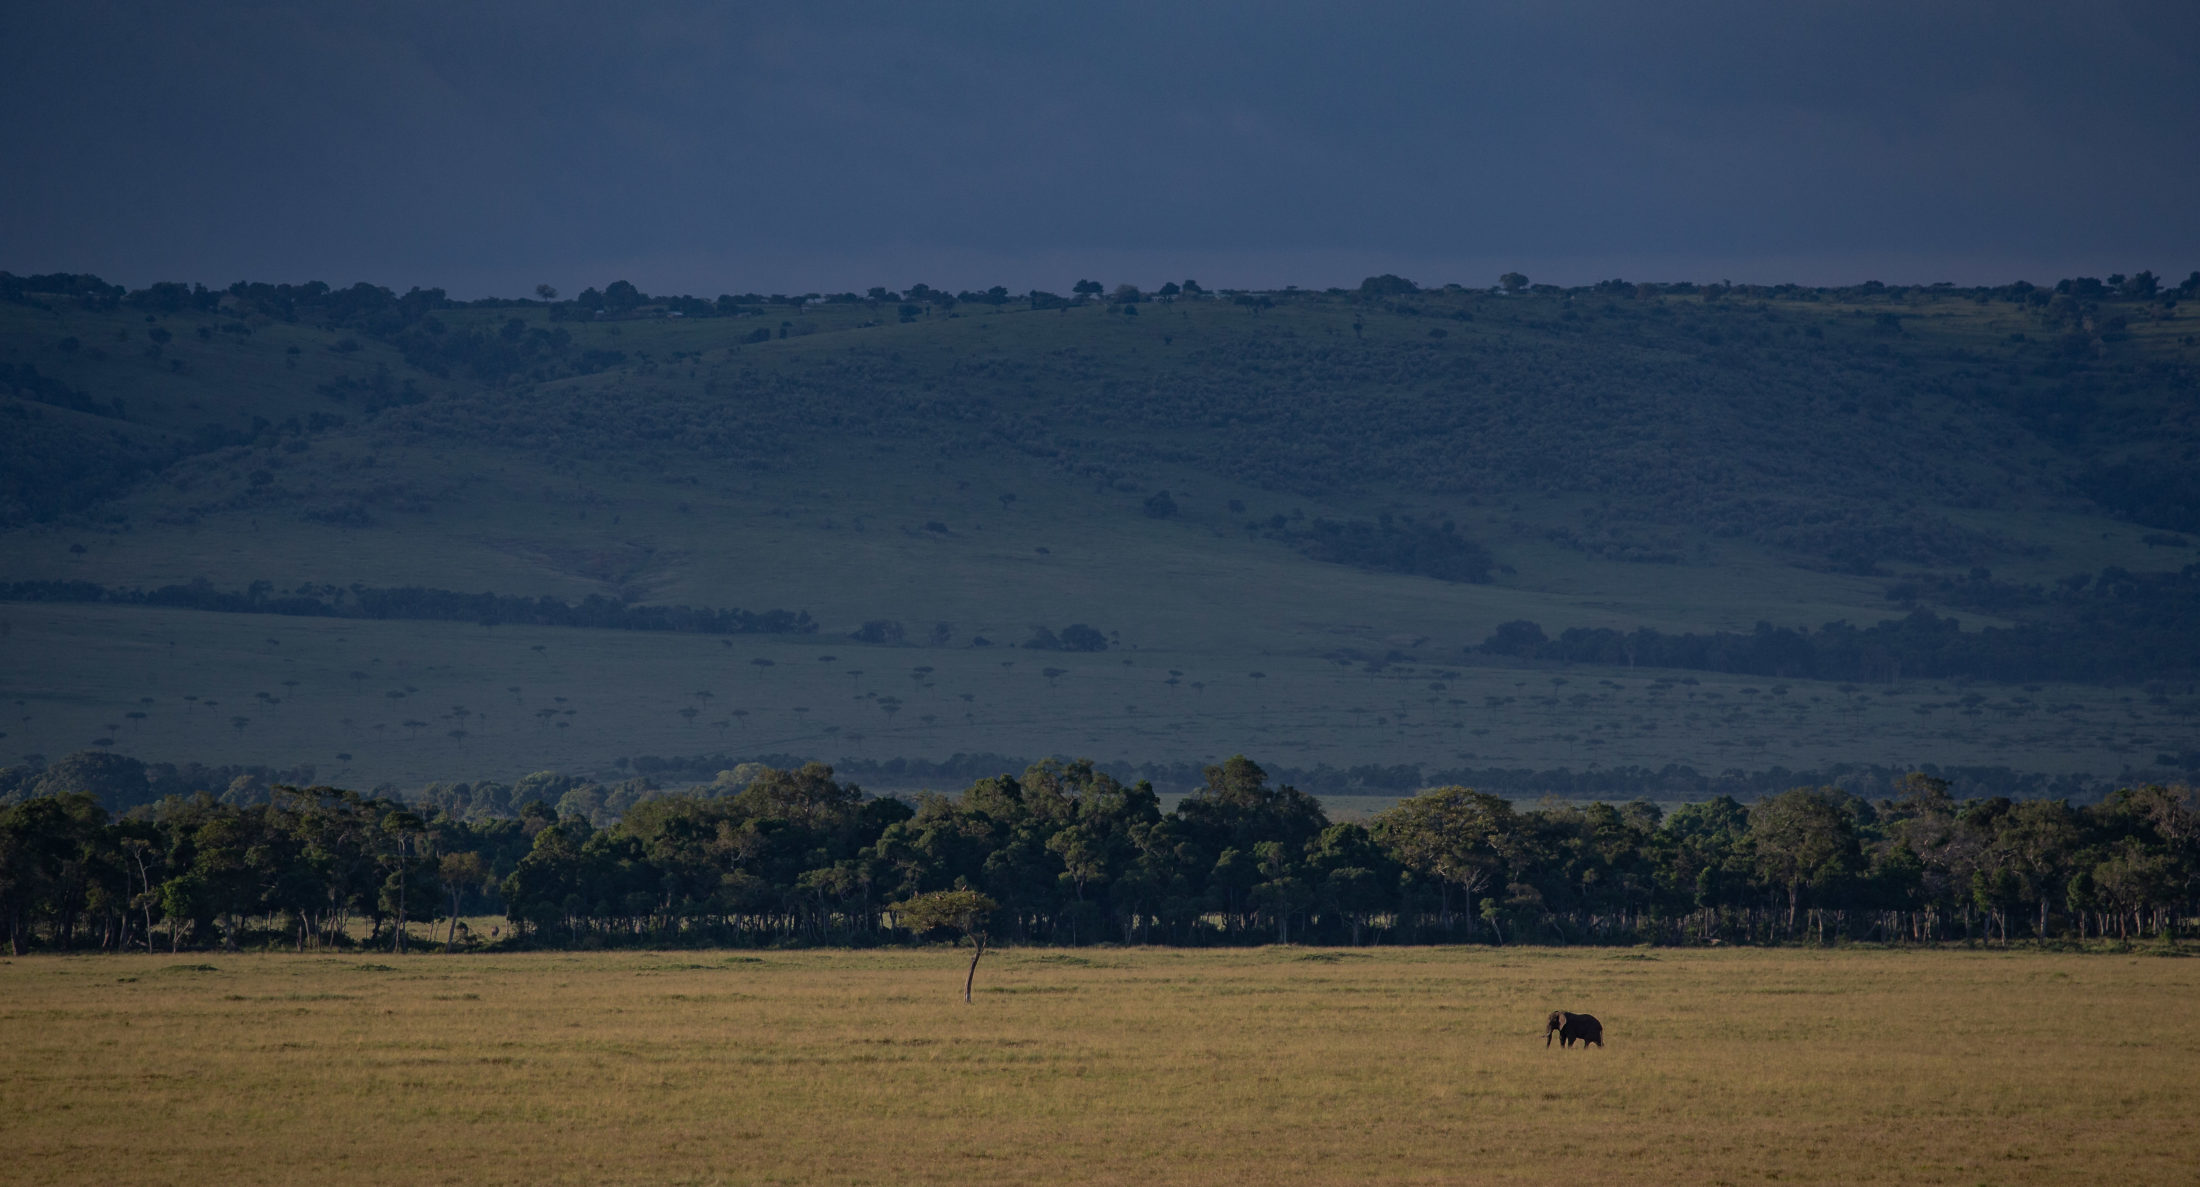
1292 523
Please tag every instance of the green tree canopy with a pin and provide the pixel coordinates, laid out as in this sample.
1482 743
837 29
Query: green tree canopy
965 912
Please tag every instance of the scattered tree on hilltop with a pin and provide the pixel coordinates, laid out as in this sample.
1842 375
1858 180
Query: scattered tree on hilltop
1387 285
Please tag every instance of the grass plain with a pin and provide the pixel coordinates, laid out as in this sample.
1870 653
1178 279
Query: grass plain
1103 1066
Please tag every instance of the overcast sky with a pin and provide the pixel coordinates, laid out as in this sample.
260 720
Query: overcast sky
704 147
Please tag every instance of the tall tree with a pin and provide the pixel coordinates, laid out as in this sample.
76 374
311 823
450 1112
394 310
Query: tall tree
459 871
1802 836
2038 836
401 832
1454 836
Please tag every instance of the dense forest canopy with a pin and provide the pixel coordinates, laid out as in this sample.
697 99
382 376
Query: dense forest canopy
1070 855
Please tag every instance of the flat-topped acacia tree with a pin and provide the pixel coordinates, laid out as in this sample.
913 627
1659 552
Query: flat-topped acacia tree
963 911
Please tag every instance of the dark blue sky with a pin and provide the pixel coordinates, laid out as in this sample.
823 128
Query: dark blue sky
702 147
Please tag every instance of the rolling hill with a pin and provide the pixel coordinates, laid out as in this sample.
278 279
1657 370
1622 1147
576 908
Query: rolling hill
1372 536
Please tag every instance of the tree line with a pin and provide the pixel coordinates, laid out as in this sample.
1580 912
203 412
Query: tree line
1070 855
1394 544
1671 782
2117 627
416 603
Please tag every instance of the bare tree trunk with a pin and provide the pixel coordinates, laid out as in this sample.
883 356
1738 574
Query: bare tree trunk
400 948
971 978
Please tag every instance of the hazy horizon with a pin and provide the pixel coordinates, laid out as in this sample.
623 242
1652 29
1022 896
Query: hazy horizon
490 148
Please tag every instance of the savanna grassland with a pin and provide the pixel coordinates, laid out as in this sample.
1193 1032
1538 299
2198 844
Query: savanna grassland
1118 1066
1296 517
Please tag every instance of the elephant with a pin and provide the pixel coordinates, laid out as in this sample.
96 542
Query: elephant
1571 1027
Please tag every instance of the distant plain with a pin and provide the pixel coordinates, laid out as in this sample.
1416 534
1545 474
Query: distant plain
586 697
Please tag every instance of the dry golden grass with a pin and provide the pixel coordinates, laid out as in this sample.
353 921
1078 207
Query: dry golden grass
1278 1065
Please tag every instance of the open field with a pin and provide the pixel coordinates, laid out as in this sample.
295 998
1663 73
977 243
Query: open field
1121 1066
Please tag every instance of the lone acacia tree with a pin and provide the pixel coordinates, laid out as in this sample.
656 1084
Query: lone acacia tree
964 911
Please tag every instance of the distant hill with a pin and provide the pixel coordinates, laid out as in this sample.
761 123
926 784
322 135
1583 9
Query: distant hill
1383 476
